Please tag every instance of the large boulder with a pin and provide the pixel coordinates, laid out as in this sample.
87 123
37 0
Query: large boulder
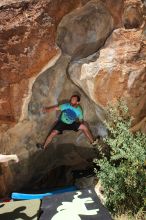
33 74
84 31
118 71
71 149
27 44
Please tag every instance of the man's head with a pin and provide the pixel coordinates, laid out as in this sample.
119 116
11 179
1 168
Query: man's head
75 99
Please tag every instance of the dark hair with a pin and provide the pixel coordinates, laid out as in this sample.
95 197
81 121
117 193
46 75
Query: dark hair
77 96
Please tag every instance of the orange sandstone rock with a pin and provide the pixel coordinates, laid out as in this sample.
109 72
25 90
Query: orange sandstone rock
27 43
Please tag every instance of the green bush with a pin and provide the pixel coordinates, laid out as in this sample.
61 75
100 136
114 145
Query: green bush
123 174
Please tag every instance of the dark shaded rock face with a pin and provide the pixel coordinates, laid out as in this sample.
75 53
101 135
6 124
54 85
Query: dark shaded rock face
84 31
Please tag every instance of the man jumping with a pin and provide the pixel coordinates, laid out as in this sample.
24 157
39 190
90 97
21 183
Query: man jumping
71 118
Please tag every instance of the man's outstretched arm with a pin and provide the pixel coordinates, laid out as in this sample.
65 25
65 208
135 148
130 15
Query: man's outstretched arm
50 109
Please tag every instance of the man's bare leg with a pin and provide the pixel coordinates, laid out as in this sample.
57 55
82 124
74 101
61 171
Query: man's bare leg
50 138
87 133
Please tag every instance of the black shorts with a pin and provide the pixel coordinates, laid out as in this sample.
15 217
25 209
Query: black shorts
61 126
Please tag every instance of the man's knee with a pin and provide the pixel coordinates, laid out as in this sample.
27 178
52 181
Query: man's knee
83 127
54 133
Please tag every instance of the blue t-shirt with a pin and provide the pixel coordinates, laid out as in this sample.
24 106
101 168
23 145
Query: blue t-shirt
69 113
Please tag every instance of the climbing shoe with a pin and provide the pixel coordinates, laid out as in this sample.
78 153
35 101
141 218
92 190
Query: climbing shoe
40 146
94 143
